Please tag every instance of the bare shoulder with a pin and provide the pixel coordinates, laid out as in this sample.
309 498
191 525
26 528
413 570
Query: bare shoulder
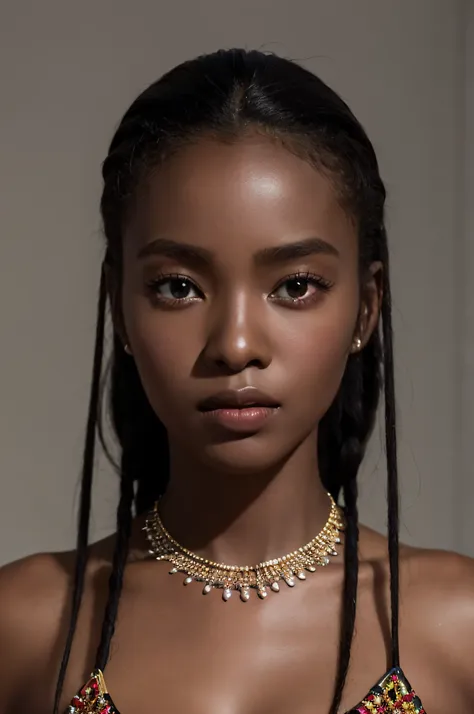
441 584
436 608
33 605
437 577
33 592
437 611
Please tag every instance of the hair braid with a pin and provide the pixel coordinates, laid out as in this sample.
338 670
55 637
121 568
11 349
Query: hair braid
391 454
124 522
353 409
138 430
86 487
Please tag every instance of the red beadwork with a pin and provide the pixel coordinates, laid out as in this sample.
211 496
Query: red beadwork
390 696
106 710
90 690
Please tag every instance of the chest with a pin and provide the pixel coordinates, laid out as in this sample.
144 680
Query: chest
180 651
175 650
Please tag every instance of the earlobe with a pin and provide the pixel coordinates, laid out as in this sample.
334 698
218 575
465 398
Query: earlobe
359 339
356 345
364 320
371 302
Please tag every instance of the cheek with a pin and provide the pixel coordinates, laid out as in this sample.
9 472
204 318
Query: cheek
318 355
318 366
164 352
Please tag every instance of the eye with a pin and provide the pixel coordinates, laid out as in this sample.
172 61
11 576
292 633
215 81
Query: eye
174 289
301 288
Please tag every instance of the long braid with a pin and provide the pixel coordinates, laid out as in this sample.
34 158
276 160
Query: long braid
349 592
354 412
124 523
143 454
391 455
86 488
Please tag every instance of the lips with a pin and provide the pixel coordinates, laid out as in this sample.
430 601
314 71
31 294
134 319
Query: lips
243 411
238 399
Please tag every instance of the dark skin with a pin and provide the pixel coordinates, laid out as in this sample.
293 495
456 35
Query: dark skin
239 321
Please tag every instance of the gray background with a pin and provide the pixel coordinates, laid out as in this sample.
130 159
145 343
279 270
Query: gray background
67 73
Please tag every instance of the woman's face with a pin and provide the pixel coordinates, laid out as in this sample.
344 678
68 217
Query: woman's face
240 273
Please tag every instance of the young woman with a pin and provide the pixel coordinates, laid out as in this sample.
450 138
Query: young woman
246 269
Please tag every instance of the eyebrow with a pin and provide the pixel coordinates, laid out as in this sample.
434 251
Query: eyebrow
266 256
178 251
292 251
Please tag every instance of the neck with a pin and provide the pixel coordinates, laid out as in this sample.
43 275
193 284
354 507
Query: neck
245 519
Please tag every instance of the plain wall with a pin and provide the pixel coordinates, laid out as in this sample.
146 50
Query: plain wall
465 492
68 71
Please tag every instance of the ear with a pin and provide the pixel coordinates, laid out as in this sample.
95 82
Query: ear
113 289
370 306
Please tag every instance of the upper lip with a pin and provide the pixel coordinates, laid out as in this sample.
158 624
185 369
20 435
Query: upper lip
237 399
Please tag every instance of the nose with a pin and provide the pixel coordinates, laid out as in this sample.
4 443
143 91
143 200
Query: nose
237 337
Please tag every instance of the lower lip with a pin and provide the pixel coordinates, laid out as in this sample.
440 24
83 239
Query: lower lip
241 420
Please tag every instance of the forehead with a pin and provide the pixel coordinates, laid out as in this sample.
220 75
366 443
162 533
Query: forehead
249 194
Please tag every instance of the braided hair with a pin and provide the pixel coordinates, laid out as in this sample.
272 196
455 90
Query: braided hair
223 94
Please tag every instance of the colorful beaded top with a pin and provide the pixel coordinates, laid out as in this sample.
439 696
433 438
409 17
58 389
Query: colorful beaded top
392 694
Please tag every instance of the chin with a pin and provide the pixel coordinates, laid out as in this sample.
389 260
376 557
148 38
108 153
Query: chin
243 456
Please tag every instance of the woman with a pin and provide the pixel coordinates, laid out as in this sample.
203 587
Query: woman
247 272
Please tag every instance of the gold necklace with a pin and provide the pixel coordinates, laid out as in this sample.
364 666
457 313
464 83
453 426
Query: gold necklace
244 578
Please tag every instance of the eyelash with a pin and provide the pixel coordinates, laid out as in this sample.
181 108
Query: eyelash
322 284
154 285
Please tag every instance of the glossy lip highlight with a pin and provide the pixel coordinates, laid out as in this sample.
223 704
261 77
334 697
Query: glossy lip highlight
242 411
237 399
